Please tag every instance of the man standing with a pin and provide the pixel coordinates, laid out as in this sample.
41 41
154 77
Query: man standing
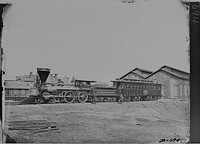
120 96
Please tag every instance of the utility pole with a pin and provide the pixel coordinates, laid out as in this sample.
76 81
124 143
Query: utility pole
3 10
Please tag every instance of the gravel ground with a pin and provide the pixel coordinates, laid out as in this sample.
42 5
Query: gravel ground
135 122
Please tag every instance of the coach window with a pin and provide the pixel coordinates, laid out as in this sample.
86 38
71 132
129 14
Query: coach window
7 92
15 92
23 92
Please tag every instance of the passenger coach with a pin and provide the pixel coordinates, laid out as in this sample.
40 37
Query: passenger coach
138 90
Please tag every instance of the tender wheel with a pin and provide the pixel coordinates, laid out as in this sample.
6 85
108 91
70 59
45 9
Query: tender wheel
68 97
53 100
127 99
82 97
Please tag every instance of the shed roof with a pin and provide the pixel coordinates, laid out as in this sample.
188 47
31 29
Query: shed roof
165 66
26 79
140 69
143 70
173 74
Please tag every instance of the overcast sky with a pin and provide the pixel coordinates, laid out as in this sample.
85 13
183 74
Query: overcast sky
94 39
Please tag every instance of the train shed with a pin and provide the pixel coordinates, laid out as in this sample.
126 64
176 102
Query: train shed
175 82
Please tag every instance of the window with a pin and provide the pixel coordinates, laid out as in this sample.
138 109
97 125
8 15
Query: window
180 90
15 92
19 92
7 91
26 92
23 92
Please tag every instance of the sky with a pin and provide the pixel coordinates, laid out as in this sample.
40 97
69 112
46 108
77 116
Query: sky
94 39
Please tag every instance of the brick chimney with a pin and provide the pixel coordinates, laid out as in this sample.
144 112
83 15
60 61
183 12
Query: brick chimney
56 78
31 74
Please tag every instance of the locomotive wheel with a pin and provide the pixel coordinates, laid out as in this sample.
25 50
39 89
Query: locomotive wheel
62 95
68 97
53 100
82 97
38 100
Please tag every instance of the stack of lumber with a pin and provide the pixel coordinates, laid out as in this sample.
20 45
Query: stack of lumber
33 126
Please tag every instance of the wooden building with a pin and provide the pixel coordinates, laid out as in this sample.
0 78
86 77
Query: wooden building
17 90
137 73
175 82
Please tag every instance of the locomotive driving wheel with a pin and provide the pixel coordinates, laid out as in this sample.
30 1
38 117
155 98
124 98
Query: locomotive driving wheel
68 97
38 101
82 97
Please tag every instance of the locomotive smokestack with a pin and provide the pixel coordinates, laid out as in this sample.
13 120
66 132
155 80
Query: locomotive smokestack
43 74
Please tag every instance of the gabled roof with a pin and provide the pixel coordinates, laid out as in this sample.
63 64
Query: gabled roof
143 70
167 73
165 66
140 69
26 79
131 72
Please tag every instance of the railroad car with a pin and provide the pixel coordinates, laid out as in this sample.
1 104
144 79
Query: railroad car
138 90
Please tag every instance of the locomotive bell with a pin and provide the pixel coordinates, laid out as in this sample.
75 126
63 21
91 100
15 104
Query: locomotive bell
43 74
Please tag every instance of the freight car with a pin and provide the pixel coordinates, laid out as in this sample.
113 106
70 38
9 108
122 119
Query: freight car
83 91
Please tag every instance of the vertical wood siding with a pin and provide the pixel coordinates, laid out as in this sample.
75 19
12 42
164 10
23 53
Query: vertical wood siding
172 87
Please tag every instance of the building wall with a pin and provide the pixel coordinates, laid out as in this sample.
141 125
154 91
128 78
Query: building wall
172 87
16 92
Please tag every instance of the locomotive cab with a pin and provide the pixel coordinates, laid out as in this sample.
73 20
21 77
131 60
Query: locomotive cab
82 83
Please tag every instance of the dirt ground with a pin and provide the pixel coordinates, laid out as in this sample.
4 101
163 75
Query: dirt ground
135 122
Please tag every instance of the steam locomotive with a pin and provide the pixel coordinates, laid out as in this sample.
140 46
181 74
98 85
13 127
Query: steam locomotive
82 91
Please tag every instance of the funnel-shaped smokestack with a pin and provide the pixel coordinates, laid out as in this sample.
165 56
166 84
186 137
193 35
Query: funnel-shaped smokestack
43 74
